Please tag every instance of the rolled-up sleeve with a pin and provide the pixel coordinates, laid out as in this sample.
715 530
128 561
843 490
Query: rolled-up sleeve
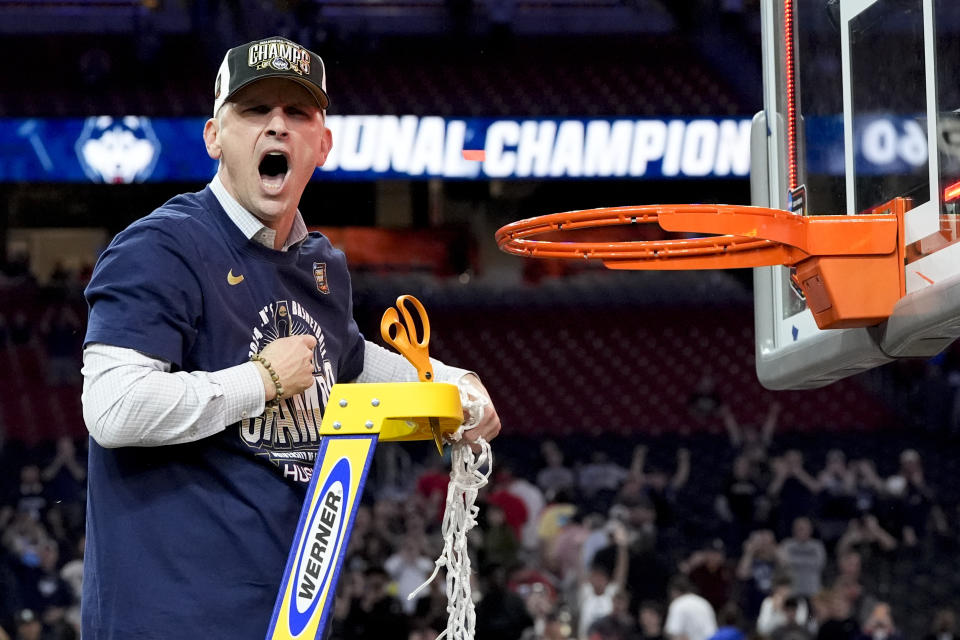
132 399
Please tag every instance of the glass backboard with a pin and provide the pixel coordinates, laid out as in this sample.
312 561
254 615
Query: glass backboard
861 104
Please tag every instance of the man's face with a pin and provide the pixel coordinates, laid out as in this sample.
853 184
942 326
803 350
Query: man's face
269 138
30 474
599 580
850 563
29 630
802 529
650 619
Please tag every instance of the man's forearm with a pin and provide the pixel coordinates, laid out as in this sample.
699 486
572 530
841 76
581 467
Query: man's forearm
131 399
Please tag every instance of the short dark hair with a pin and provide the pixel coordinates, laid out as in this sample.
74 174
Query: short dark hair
681 584
782 579
730 615
376 571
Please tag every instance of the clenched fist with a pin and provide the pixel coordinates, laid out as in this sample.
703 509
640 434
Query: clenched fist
292 359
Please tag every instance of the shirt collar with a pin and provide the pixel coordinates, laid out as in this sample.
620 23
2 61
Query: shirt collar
250 225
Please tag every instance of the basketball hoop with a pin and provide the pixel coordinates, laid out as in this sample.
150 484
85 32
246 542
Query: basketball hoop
849 267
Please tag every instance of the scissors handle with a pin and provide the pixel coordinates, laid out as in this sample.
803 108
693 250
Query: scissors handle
402 335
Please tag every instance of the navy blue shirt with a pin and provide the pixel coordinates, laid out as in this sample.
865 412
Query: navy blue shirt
190 540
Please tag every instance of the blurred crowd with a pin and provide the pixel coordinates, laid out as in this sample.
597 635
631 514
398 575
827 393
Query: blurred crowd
581 548
593 550
42 514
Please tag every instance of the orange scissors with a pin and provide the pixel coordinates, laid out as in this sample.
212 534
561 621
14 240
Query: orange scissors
402 335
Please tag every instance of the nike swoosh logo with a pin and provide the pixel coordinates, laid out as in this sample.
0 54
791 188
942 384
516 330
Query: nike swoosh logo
232 279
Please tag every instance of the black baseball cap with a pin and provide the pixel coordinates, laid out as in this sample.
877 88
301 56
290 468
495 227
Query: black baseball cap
270 58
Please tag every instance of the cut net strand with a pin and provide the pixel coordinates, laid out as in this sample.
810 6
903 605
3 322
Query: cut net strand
467 477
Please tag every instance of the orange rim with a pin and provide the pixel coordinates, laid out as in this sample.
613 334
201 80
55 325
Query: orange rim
746 236
519 238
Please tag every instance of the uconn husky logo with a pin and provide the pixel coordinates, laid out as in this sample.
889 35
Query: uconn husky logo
118 150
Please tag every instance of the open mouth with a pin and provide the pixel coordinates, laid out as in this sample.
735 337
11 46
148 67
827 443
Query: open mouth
273 170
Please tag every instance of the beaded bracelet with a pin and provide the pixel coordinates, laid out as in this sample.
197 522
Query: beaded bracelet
273 376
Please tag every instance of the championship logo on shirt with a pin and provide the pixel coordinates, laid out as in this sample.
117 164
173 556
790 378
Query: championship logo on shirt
320 275
289 435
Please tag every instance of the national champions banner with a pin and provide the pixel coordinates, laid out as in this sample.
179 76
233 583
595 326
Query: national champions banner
133 149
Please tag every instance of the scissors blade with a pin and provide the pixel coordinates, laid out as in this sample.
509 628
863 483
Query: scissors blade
437 437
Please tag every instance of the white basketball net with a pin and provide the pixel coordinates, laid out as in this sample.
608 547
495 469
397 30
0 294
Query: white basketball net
459 517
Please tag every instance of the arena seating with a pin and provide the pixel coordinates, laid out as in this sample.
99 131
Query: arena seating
563 372
36 412
559 370
658 76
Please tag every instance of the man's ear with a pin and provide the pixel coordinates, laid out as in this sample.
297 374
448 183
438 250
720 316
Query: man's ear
326 143
211 138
